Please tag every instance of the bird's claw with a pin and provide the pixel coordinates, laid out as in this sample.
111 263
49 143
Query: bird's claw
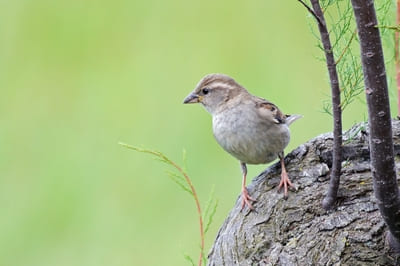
285 183
246 199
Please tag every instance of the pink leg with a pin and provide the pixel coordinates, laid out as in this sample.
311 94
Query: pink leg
246 199
285 181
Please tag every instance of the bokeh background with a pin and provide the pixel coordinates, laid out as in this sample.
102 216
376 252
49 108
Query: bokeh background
77 77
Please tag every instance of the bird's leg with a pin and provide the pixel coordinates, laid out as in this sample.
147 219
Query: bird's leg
246 199
285 181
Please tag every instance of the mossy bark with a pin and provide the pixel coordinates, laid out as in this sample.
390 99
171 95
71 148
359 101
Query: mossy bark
298 231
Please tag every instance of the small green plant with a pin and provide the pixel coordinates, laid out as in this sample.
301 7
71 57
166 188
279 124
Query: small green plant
181 178
343 34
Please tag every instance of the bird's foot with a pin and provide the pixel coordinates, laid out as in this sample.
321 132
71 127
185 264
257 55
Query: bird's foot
285 183
246 199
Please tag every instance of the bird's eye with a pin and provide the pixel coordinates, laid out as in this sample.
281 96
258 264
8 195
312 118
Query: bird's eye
205 91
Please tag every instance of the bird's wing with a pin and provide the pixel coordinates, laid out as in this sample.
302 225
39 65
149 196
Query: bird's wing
269 111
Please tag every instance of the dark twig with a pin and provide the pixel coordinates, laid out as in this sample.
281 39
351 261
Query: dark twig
397 57
311 12
380 137
331 196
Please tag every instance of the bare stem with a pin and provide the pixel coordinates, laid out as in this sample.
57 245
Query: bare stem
311 11
188 181
331 196
397 57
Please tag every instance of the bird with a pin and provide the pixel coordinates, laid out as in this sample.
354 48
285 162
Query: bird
250 128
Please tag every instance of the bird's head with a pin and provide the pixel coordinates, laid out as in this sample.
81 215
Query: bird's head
214 91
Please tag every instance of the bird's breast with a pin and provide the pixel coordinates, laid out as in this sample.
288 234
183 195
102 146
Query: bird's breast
248 138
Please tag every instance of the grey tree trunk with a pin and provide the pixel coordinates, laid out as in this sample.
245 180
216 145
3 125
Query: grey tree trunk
377 94
298 231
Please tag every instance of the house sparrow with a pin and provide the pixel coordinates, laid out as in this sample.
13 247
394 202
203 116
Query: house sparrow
251 129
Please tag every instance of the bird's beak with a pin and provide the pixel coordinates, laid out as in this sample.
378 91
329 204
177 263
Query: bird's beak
192 98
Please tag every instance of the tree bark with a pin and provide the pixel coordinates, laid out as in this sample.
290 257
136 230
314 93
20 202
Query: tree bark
298 231
382 159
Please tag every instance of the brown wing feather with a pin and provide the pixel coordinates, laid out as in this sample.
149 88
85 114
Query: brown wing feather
270 110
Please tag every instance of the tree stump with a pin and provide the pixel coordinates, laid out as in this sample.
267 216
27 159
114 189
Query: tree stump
298 231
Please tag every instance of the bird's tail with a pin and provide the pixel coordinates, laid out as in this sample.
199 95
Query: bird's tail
291 118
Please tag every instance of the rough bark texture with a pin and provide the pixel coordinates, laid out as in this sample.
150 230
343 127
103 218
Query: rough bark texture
298 231
383 166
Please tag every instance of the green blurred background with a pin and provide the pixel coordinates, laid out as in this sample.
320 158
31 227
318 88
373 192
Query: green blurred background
77 77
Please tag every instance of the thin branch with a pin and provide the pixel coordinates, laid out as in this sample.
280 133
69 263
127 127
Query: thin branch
395 28
397 57
311 11
165 159
331 196
346 47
